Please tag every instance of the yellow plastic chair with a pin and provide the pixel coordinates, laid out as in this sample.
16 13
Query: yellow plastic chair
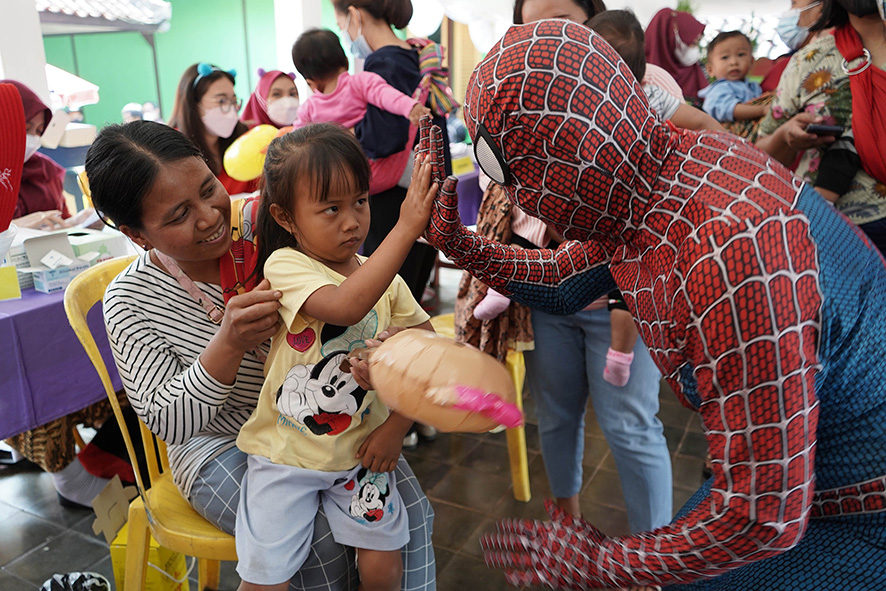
444 324
159 509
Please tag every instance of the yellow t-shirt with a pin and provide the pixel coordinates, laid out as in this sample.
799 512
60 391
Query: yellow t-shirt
311 413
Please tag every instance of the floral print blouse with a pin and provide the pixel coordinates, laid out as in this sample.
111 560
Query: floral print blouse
814 82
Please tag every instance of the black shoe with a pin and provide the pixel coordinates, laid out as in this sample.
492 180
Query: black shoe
69 504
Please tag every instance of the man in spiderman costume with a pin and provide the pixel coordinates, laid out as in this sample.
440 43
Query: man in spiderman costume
764 308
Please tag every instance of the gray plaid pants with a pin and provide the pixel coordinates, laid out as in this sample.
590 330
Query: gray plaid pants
330 566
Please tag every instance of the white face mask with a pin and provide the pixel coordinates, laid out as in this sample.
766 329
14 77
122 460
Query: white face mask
881 8
220 124
283 110
687 55
32 142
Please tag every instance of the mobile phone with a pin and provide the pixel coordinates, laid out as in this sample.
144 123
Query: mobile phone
834 130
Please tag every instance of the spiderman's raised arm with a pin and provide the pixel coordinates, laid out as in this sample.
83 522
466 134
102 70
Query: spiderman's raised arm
560 281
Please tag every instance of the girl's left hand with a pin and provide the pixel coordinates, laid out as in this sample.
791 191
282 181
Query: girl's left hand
381 450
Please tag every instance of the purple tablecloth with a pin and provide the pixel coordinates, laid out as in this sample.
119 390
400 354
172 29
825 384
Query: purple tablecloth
44 372
469 197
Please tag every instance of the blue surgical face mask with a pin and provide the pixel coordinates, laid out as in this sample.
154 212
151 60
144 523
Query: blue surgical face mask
790 31
789 28
359 47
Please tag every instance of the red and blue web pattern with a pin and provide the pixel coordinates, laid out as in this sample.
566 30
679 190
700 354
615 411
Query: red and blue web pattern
731 268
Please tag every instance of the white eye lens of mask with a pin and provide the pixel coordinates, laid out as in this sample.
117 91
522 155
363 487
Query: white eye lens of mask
490 158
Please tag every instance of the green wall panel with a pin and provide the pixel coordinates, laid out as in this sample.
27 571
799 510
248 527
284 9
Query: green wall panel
60 52
235 34
260 29
122 67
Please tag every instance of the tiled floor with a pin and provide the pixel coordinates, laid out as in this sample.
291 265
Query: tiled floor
465 476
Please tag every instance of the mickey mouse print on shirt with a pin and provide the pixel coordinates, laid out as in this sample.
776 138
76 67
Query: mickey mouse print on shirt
324 396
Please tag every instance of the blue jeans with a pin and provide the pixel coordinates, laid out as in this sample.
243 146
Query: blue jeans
564 369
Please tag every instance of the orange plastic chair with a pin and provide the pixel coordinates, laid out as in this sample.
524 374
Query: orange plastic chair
444 324
159 509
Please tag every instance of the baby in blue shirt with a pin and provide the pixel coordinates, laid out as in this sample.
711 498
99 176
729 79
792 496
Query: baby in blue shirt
730 59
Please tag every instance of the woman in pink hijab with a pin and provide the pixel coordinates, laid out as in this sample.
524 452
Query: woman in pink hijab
672 43
274 101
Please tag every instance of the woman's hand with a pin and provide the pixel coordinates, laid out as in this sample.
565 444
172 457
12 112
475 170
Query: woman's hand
42 220
791 138
798 139
415 212
251 318
381 450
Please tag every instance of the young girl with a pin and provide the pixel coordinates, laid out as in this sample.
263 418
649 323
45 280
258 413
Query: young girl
318 431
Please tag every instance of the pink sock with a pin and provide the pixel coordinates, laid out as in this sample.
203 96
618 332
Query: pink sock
618 367
491 306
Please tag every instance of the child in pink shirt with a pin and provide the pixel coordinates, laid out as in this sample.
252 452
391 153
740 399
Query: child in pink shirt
338 96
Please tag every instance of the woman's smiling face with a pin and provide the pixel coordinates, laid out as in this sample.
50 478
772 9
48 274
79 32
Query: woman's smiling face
186 215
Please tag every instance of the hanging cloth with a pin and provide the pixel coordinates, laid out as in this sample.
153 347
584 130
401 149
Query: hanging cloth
867 85
434 77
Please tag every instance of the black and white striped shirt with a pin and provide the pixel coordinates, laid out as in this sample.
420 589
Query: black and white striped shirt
157 332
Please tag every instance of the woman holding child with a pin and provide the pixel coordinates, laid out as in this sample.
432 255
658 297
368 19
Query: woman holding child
192 377
830 82
367 23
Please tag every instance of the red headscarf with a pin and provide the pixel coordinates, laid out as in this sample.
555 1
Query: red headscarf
256 110
661 44
42 179
867 84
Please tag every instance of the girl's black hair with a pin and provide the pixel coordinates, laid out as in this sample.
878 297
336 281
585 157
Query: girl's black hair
394 12
123 163
186 114
591 7
320 159
318 54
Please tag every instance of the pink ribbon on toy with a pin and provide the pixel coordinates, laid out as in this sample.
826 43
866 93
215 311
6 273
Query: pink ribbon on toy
488 405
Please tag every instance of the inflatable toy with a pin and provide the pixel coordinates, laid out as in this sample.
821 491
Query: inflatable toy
245 158
436 381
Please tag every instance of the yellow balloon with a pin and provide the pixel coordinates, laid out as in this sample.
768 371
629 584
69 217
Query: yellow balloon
245 158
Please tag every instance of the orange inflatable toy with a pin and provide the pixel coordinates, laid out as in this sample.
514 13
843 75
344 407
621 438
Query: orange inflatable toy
451 386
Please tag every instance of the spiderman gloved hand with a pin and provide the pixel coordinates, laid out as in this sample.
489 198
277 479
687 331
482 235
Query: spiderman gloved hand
559 554
445 222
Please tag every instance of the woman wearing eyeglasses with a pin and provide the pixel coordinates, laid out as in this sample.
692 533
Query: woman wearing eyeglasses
206 112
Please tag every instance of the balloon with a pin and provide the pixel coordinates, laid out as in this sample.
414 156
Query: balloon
436 381
427 16
245 158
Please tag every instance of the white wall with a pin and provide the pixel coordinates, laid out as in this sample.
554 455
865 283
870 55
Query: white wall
291 18
21 46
